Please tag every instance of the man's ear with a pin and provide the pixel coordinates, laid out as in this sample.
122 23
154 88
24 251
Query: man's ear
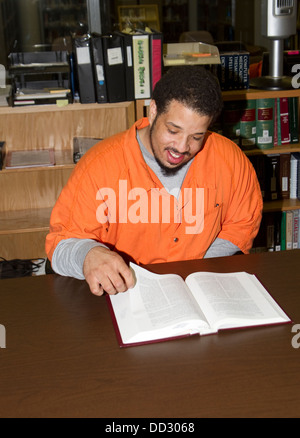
152 111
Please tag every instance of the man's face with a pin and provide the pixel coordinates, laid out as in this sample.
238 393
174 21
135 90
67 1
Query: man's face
177 135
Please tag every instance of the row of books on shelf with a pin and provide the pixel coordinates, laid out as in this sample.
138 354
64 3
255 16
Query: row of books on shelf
233 72
122 66
260 123
279 231
278 175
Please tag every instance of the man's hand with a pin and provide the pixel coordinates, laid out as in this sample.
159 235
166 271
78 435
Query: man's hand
106 271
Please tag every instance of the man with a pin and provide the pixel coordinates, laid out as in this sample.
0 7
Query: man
165 190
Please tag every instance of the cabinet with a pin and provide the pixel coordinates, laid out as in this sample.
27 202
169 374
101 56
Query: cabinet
28 195
272 206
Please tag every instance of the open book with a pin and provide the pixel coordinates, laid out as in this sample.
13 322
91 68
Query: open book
160 307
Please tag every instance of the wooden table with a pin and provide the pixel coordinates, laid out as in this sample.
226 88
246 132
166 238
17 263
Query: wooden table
62 358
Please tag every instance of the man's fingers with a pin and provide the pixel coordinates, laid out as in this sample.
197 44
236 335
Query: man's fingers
106 270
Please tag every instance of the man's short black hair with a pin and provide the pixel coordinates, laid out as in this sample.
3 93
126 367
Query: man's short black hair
193 86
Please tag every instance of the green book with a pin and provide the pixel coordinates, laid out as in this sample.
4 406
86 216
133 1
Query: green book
248 125
265 123
283 231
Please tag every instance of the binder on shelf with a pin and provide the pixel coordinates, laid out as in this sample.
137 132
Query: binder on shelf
141 64
128 57
99 69
156 57
114 67
84 69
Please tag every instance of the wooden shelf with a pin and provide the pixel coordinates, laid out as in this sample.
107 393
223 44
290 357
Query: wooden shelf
29 194
25 221
288 148
257 94
281 205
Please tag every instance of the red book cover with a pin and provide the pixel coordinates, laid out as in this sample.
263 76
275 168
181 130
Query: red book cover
284 120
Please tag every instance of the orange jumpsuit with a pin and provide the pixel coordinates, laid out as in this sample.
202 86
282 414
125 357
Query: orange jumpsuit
113 197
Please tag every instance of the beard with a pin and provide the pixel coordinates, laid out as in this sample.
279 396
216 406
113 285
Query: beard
166 170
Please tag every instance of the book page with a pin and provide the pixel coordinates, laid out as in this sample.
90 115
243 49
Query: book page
234 299
158 306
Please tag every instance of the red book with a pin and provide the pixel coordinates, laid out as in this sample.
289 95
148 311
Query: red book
284 120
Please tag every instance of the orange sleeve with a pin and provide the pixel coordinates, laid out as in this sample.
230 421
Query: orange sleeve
243 214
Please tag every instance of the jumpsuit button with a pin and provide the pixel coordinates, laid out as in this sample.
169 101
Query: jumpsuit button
176 239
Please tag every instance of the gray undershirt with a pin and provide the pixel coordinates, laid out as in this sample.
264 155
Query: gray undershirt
69 254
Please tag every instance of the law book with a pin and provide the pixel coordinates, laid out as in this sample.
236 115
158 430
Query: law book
272 177
164 307
295 175
284 173
265 123
294 119
248 125
283 231
260 167
284 120
289 230
295 228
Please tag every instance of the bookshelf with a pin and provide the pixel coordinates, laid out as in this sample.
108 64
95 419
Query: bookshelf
269 206
28 195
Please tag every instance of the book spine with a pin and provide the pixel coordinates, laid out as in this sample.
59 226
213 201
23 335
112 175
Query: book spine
259 164
272 175
141 62
293 176
295 228
230 72
156 58
265 123
283 231
284 120
285 166
222 72
248 125
236 79
277 230
245 58
232 121
289 230
294 124
277 121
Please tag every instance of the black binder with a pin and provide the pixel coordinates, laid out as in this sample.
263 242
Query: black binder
99 69
114 61
84 67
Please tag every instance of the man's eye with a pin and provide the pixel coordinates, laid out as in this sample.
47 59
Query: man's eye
172 132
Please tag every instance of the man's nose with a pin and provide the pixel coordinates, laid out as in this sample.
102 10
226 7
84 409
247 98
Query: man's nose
182 145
